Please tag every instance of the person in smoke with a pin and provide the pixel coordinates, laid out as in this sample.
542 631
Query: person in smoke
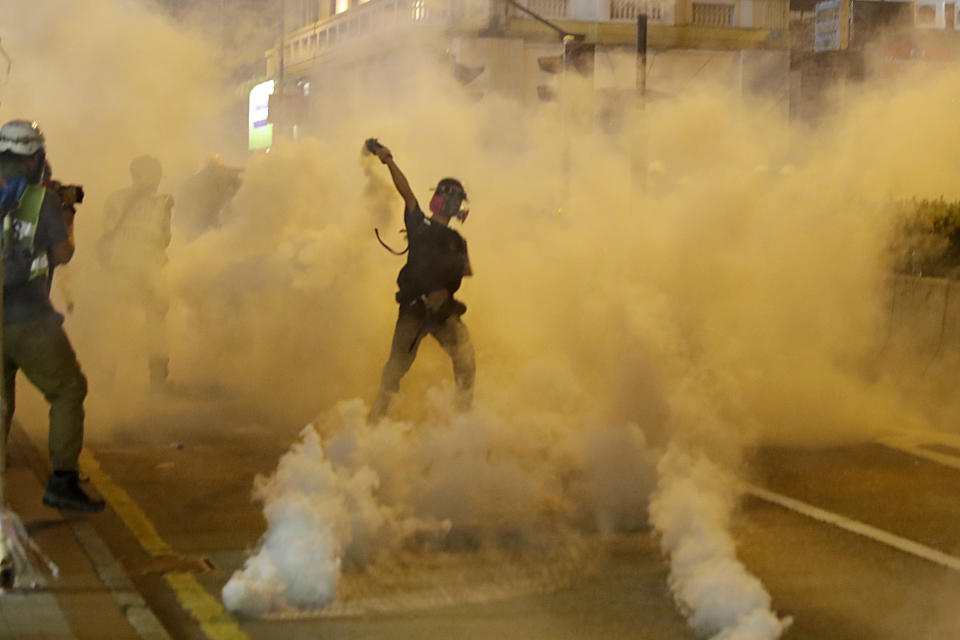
436 264
204 198
133 248
38 236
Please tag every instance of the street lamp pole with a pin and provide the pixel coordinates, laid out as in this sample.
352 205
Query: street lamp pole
279 117
640 163
642 54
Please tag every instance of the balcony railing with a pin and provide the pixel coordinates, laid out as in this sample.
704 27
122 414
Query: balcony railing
658 11
628 10
367 19
546 8
377 16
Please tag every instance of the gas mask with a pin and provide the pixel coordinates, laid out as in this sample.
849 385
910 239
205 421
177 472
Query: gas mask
450 200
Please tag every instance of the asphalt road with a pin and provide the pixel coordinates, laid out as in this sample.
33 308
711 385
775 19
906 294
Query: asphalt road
190 469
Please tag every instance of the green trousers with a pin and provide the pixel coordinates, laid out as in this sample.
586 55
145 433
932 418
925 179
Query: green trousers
40 348
412 326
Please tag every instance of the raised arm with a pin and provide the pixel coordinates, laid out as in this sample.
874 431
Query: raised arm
399 180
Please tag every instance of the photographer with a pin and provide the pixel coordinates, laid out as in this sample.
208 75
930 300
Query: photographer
36 238
436 264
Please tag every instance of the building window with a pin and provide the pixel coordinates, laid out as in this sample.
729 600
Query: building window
419 10
333 7
713 15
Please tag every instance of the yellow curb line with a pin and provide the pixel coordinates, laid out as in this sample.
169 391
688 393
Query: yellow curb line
128 510
214 620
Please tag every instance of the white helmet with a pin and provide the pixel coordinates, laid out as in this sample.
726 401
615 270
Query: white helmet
21 137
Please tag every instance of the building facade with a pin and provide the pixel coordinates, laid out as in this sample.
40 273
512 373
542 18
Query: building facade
328 45
843 43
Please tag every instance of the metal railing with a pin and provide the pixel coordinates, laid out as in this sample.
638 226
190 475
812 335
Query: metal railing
712 14
547 8
628 10
658 11
375 16
367 19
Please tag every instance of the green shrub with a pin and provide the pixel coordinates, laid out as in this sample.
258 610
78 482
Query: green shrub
926 240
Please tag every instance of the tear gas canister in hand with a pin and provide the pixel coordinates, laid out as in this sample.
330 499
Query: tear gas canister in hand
373 146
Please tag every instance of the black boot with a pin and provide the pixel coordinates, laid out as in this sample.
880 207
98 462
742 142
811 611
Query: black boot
64 492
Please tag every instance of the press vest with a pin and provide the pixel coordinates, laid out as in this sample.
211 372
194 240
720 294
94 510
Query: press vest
20 234
141 234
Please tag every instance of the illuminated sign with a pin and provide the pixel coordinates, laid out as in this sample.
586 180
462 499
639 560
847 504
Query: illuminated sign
261 130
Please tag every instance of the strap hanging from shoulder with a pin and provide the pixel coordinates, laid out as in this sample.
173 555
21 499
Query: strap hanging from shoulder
388 247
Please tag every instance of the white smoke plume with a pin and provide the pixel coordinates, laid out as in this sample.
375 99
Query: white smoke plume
348 497
319 515
691 511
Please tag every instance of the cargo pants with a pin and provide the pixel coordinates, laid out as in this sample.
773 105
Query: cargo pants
40 348
413 324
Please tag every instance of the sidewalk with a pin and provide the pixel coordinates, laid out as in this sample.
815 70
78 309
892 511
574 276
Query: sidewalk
92 599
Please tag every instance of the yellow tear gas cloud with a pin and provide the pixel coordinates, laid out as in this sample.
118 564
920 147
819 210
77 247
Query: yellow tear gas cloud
751 252
107 81
735 293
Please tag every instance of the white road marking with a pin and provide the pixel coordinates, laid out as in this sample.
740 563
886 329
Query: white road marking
912 442
859 528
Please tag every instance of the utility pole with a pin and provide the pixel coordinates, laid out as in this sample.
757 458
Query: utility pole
568 40
640 164
642 54
280 117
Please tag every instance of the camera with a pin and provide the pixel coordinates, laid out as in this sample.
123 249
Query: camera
70 194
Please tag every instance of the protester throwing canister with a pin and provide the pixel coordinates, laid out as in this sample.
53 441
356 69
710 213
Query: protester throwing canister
436 264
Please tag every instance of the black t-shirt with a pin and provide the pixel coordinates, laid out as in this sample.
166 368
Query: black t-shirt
437 259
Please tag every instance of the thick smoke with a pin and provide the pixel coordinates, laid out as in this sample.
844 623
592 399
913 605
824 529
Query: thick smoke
691 510
318 517
729 305
706 276
107 81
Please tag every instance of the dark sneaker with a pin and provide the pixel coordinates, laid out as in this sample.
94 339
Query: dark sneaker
64 492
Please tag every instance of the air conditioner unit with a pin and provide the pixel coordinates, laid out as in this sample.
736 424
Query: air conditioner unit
930 14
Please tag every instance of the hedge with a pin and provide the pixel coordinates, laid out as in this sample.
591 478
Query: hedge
926 240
